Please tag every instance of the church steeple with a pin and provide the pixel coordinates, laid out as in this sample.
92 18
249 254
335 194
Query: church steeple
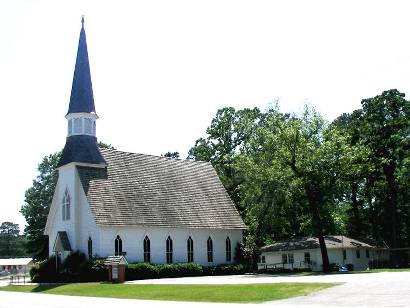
81 144
82 98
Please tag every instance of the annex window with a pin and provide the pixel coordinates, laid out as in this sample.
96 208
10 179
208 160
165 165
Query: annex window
263 259
190 249
147 249
358 253
228 249
367 253
344 254
284 258
118 246
168 251
290 258
307 257
210 249
90 247
66 206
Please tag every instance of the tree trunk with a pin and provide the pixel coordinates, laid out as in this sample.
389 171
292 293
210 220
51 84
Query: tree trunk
318 228
356 215
391 210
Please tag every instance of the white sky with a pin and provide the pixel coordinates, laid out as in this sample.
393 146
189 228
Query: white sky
161 69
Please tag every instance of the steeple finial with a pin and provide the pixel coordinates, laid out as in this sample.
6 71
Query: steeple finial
82 21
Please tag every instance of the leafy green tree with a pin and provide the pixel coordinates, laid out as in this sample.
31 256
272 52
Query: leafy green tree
10 243
171 155
37 204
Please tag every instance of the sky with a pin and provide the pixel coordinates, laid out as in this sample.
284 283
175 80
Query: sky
161 69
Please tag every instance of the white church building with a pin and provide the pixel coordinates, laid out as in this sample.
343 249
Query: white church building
148 208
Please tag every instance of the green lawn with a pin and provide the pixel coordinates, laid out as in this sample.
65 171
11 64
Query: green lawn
239 293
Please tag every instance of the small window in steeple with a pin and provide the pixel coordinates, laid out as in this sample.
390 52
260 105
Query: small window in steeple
87 126
70 127
78 126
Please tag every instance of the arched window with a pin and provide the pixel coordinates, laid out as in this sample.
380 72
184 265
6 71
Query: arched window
228 249
147 249
190 249
118 246
66 206
210 250
90 248
169 250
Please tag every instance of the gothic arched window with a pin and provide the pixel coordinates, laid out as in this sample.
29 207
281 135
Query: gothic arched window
190 249
66 206
210 249
147 249
118 246
168 251
90 247
228 249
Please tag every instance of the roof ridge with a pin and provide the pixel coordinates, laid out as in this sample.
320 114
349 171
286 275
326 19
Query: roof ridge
156 156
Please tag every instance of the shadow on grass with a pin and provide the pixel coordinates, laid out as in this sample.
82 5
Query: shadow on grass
47 286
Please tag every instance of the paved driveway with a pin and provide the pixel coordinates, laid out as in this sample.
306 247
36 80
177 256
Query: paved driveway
357 290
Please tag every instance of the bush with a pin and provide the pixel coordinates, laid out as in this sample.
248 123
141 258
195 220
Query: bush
350 267
84 271
225 269
136 271
45 271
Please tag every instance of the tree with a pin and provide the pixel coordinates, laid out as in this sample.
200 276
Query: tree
37 204
171 155
9 234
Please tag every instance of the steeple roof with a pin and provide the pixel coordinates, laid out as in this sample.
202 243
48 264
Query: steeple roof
82 99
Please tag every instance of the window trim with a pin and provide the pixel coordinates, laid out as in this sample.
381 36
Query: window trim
210 249
66 206
147 249
190 249
228 249
118 246
90 247
169 250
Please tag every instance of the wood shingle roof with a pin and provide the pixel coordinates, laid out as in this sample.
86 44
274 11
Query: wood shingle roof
146 190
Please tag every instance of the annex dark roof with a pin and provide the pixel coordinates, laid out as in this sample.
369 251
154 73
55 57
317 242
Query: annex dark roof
82 99
81 149
332 241
146 190
62 243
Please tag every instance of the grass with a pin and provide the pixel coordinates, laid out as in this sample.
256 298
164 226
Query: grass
239 293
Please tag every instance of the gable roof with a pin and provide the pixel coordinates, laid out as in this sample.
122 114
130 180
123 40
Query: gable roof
146 190
301 243
62 243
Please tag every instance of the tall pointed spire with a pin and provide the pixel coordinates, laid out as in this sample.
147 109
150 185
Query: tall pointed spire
81 145
82 99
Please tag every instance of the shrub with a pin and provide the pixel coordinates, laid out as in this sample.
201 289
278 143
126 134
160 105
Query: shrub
226 269
74 262
45 271
136 271
350 267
